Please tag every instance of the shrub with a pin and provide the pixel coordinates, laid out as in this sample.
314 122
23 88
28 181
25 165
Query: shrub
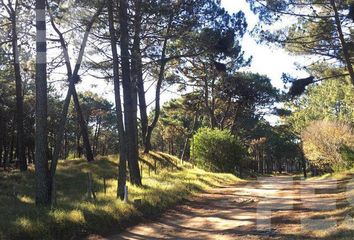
329 145
216 150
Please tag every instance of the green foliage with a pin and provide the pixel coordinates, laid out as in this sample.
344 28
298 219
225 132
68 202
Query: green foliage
329 145
283 145
332 100
347 154
216 150
312 30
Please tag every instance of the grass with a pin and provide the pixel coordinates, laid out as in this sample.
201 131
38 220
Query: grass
334 175
74 216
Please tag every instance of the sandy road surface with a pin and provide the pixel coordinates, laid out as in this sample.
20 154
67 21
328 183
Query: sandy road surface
269 208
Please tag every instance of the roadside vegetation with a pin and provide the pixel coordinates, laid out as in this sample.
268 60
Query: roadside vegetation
74 215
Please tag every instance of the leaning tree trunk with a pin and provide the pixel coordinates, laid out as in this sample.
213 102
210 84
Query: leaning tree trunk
72 77
83 126
128 92
158 89
122 175
342 41
41 167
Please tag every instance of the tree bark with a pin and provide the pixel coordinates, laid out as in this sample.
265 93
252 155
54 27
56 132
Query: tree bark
137 72
122 175
96 135
189 135
207 105
72 77
128 92
78 146
6 145
41 169
303 160
342 41
65 144
12 10
83 127
158 89
2 135
12 143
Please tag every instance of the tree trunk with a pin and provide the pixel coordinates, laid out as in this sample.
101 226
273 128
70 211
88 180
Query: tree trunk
78 147
65 144
2 135
19 98
122 175
29 156
83 127
96 135
189 135
303 160
184 148
5 144
263 160
128 92
137 71
12 11
342 41
158 89
6 153
142 109
209 108
72 77
41 170
12 143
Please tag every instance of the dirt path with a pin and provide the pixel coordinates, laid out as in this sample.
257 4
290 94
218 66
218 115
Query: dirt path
270 208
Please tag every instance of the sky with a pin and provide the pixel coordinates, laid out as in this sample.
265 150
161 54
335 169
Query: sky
267 60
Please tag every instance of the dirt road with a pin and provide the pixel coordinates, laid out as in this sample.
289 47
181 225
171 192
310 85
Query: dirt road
270 208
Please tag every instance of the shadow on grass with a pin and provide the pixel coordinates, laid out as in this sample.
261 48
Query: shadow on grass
73 216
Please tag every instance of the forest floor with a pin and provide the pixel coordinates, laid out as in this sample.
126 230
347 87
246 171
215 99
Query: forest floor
279 207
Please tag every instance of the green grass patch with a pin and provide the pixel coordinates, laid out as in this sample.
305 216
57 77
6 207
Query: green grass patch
334 175
74 216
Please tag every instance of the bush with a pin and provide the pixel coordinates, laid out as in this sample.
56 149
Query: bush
329 145
216 150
